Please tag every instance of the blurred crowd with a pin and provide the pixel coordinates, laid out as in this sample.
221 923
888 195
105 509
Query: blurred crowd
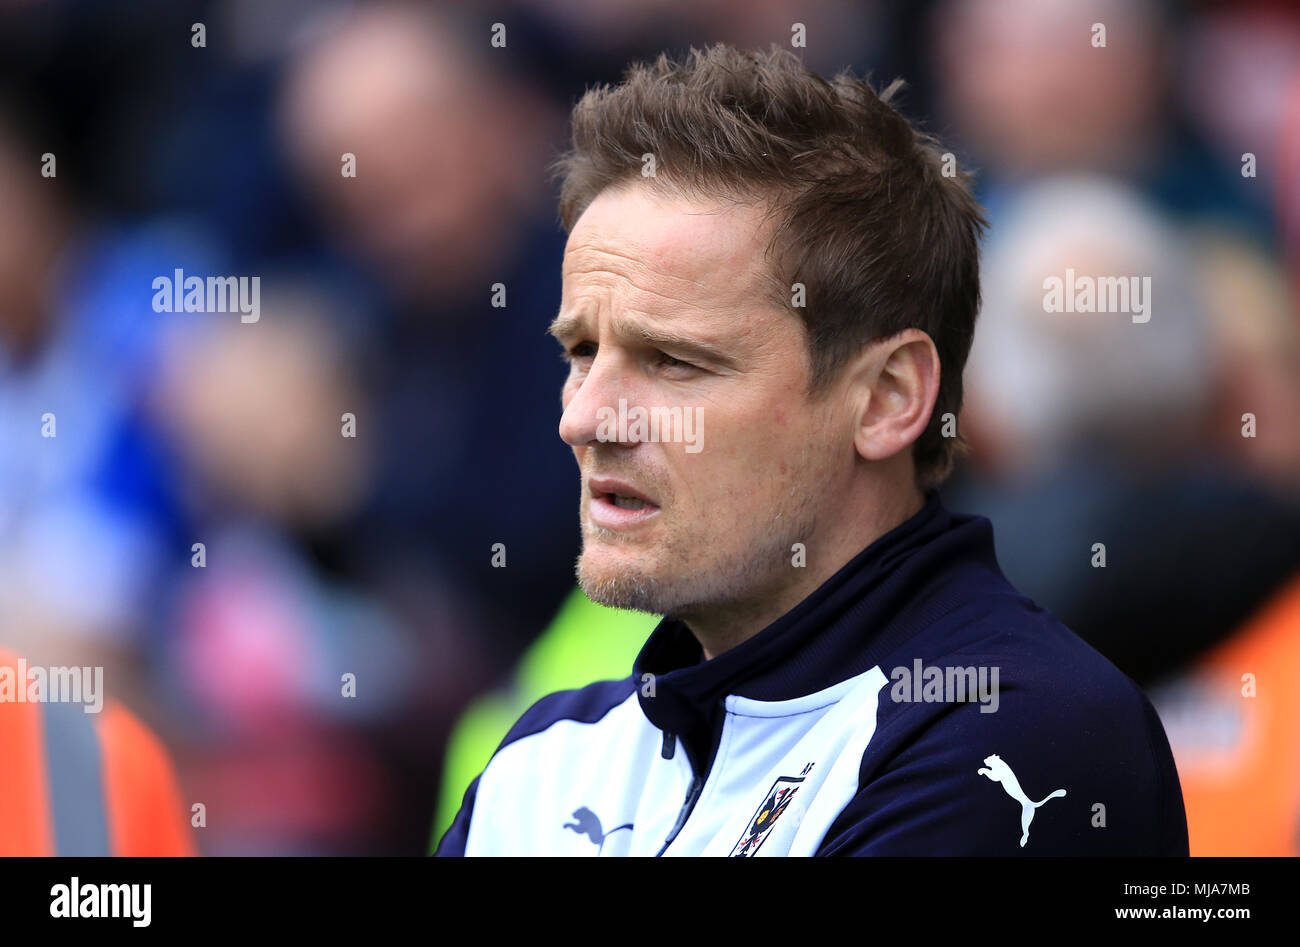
1173 150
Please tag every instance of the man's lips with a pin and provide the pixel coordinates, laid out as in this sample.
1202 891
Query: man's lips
610 486
605 512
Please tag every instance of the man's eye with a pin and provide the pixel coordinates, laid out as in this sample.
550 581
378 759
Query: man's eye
667 361
580 350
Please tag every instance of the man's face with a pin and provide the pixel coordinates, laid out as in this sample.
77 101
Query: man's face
665 307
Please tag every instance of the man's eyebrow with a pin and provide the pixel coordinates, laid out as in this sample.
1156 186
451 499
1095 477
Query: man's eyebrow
565 327
676 342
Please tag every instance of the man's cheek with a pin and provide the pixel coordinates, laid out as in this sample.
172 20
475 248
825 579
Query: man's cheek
717 497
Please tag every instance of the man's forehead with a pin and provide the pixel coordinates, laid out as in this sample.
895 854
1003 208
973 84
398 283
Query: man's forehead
705 245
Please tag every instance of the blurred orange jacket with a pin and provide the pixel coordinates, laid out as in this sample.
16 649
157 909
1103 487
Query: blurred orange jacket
1234 725
77 783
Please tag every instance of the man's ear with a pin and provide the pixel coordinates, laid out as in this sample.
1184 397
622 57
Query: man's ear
897 382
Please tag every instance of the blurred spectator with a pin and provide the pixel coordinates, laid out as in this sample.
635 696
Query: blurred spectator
1255 320
449 208
1045 384
1239 65
1023 84
1095 427
85 509
285 670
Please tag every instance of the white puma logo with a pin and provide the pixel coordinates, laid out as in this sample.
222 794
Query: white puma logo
1000 772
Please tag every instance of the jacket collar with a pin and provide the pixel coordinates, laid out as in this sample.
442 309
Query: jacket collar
896 586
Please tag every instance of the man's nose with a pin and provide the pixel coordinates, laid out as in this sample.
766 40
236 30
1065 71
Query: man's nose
592 412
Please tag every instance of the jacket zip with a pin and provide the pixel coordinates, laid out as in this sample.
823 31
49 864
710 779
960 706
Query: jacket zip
699 776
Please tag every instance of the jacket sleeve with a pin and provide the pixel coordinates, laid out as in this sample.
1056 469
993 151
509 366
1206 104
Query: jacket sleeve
454 839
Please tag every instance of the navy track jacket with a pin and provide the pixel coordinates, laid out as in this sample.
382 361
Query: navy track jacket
914 704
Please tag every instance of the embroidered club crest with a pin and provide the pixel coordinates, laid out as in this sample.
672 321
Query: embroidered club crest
764 819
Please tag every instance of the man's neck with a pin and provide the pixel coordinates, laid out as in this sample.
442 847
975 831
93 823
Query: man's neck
724 628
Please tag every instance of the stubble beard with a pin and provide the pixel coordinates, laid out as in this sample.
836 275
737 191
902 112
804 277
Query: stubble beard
686 576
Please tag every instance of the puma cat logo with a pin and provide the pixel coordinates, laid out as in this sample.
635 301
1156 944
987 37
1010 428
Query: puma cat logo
1000 772
588 824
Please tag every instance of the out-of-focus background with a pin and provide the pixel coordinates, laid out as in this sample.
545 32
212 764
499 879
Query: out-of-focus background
1173 150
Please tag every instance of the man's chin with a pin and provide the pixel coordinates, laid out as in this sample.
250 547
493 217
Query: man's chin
619 581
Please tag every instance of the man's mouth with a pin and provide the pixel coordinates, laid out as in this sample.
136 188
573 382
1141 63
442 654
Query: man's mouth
616 504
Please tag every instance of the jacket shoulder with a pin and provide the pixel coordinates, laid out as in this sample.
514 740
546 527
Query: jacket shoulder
589 705
1052 725
581 705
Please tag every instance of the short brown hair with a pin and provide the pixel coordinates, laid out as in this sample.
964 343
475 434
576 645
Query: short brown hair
882 231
